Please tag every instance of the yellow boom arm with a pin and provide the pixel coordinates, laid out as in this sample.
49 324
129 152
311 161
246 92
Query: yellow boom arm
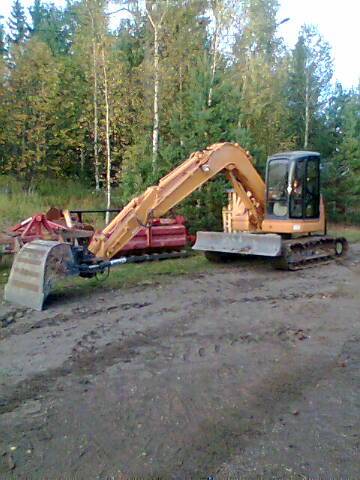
180 183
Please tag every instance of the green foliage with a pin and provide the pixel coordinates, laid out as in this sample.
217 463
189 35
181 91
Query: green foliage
29 103
342 169
203 209
52 84
17 204
2 40
17 23
260 73
308 85
49 24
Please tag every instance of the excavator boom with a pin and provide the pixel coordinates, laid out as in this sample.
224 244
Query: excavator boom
200 167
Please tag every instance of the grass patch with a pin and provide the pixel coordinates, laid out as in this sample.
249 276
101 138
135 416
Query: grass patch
350 232
125 276
17 204
5 266
147 273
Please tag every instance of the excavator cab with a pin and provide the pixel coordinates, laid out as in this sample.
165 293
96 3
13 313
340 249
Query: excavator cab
293 185
293 201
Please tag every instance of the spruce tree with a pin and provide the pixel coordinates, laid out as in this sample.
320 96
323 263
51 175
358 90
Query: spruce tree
33 91
17 23
350 154
308 85
260 74
38 15
2 39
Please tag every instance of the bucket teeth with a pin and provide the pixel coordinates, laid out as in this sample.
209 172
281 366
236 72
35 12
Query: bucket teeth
35 270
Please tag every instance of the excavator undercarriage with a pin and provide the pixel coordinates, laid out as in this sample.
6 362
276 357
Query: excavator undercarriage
300 253
282 218
288 254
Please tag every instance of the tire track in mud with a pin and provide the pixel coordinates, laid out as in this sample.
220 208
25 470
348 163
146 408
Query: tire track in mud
78 364
86 358
81 313
61 318
84 363
290 390
91 360
289 296
222 437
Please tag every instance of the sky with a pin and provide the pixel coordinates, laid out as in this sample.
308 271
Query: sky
337 21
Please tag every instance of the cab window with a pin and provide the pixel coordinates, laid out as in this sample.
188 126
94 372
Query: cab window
312 189
297 190
277 187
305 189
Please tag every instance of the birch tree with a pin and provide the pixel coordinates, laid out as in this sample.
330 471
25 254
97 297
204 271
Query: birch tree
107 135
222 12
94 44
156 11
33 93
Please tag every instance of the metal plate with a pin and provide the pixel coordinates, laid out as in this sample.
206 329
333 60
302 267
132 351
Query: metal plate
267 244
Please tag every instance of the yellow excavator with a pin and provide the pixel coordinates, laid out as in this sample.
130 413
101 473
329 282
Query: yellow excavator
283 218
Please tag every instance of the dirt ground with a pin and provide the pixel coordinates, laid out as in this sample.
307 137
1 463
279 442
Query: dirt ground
240 372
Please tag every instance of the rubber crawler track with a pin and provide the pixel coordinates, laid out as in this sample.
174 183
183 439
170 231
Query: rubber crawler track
308 252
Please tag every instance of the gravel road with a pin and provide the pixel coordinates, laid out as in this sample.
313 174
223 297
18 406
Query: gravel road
238 372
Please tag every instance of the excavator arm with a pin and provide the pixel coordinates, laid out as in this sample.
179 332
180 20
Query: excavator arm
200 167
38 264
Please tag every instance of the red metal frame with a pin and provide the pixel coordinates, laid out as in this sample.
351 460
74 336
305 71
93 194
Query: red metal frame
164 234
37 227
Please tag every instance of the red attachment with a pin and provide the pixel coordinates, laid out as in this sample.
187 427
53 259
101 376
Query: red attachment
37 227
163 234
49 226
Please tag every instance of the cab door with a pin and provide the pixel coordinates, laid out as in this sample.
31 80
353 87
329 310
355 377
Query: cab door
277 184
305 188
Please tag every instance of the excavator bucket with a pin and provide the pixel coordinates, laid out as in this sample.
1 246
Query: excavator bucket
34 271
268 245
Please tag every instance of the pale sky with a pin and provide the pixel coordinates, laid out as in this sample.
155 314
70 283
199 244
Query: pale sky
337 21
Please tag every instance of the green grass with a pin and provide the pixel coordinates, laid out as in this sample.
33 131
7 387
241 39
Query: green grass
350 232
17 204
147 273
125 276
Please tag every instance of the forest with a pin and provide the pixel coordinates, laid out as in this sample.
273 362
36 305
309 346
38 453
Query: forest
101 111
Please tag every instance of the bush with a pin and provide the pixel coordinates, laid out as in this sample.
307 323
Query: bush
17 204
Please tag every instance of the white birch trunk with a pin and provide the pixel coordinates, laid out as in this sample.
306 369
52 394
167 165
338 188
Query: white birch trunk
215 47
156 24
155 140
95 107
107 138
